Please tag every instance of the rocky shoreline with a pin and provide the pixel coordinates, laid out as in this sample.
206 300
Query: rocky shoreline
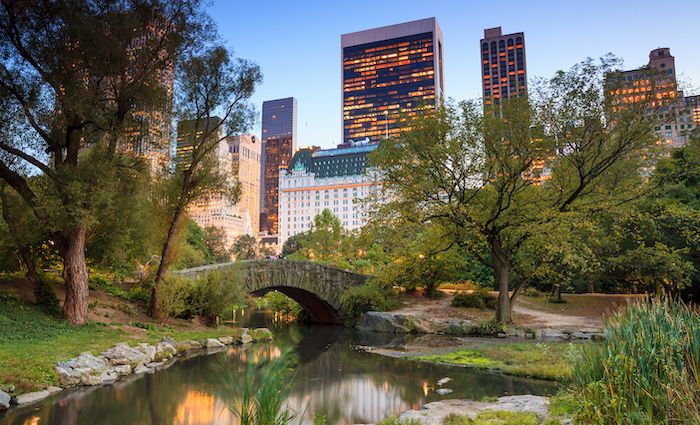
123 360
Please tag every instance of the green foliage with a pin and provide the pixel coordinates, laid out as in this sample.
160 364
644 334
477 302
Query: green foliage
208 296
215 240
261 398
396 421
326 242
491 327
479 298
499 417
104 282
455 419
244 248
646 371
45 296
370 297
280 303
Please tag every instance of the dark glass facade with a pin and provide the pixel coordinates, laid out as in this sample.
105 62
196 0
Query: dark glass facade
328 163
279 142
388 81
188 132
503 66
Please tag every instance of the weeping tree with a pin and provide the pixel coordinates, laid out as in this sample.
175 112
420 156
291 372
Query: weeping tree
78 72
212 95
494 178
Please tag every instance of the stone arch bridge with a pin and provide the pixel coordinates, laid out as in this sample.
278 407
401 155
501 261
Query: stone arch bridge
316 287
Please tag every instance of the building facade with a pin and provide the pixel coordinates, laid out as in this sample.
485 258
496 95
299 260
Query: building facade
246 159
279 133
503 66
389 75
334 179
654 88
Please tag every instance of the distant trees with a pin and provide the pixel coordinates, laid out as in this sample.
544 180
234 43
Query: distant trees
494 180
244 247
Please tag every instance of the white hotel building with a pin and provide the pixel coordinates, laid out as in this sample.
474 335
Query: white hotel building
334 179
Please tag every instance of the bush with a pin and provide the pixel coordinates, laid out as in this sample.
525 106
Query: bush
646 371
479 298
531 291
45 296
361 299
280 303
489 328
208 296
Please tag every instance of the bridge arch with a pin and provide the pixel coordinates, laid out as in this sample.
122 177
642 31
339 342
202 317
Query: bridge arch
316 287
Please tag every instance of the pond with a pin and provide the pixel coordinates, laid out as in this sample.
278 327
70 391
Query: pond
331 378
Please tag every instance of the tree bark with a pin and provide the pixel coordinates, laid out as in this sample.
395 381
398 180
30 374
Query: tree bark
75 306
154 307
503 313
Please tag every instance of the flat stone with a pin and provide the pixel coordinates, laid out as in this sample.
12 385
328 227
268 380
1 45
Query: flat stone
523 403
54 390
212 343
108 376
140 369
154 365
85 369
169 340
226 340
443 381
246 338
122 354
443 391
4 401
27 398
148 350
122 370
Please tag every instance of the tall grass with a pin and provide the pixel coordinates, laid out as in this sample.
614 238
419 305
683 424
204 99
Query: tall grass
258 394
646 372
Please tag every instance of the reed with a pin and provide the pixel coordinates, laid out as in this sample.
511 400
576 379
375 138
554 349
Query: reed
646 372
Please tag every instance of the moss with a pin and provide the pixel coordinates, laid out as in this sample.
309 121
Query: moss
498 417
261 334
536 360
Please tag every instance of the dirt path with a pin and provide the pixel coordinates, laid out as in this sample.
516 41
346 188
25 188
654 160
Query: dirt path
542 319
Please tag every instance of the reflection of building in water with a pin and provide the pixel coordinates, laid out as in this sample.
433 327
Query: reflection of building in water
356 399
200 408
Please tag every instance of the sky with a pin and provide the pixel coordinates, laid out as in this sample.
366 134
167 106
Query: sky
297 42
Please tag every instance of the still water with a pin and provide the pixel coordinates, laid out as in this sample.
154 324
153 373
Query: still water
331 378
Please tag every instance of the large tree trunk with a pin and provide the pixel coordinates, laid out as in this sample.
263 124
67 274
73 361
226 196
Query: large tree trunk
502 272
75 306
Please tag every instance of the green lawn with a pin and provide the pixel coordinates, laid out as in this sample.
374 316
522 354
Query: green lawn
551 360
32 342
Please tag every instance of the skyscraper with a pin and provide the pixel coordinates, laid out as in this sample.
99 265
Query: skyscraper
389 75
245 166
279 134
503 66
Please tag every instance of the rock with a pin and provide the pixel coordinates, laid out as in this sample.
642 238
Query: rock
155 365
140 369
85 369
260 334
523 403
443 391
212 343
122 370
8 388
148 350
4 400
443 381
458 327
382 321
54 390
187 345
164 351
237 333
245 337
122 354
27 398
226 340
108 376
169 341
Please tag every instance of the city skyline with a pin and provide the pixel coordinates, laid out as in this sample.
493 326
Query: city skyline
597 30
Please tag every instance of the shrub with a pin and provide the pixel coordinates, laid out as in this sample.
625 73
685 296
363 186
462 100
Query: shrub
479 298
370 297
45 296
280 303
455 419
531 291
646 371
175 296
488 328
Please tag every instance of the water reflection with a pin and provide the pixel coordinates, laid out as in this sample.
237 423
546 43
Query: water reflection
332 378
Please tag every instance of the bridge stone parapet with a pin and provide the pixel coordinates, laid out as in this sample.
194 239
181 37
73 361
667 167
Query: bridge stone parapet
316 287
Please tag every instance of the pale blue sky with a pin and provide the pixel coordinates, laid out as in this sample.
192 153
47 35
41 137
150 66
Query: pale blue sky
297 43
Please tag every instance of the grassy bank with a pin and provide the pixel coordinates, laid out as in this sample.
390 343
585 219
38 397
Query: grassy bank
551 361
31 342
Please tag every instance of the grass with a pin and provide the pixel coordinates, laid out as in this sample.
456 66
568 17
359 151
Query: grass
31 342
549 361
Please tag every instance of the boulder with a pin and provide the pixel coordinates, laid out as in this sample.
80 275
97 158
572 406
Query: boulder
169 341
458 327
140 369
523 403
85 369
154 365
226 340
245 337
31 397
443 391
109 375
382 321
4 401
188 345
8 388
148 350
237 333
164 351
123 354
260 334
212 343
122 370
53 390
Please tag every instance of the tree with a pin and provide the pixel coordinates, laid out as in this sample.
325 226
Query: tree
492 180
326 242
244 248
75 71
216 243
210 82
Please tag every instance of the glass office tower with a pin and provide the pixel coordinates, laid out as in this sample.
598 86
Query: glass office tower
279 131
503 66
389 75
